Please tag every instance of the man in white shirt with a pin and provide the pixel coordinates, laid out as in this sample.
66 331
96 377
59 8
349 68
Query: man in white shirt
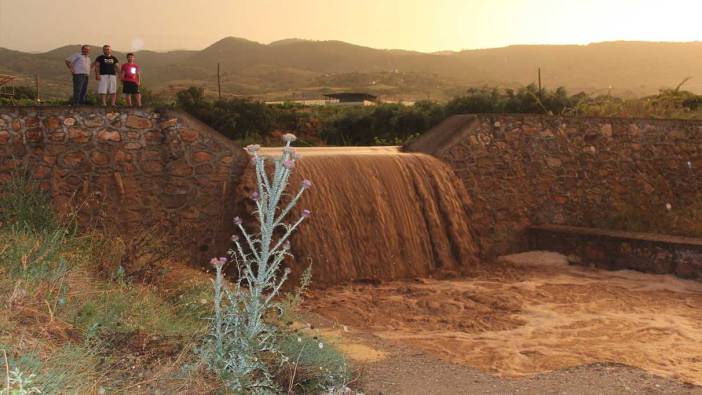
79 64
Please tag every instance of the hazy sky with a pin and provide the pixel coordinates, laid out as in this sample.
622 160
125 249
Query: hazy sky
422 25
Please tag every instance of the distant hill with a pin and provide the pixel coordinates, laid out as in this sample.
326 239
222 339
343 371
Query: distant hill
295 68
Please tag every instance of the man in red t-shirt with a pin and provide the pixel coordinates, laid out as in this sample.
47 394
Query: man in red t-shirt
130 74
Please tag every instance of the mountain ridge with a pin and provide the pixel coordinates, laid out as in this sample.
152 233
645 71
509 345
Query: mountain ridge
293 68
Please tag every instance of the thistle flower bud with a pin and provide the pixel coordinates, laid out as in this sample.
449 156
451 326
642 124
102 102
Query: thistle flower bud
252 148
289 164
289 137
238 221
306 183
306 213
287 270
255 197
235 238
286 245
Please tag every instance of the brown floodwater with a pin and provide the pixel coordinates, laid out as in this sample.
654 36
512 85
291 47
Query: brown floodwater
534 314
377 214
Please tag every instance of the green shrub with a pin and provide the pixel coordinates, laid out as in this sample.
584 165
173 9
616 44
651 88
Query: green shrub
313 366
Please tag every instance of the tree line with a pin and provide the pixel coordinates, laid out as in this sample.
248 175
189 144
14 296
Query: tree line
248 121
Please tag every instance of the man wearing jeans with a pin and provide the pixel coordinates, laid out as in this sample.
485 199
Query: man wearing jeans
106 74
79 64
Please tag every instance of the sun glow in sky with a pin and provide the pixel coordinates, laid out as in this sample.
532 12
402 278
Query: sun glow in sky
421 25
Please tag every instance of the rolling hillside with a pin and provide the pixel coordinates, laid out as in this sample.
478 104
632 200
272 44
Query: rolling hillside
296 68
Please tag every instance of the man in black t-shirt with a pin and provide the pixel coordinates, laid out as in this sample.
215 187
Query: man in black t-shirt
106 68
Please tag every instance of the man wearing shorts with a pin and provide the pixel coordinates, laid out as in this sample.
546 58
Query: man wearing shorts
79 64
105 67
130 74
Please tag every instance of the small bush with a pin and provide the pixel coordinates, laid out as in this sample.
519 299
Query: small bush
312 366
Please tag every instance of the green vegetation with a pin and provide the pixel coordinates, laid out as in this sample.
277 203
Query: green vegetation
84 312
67 328
246 120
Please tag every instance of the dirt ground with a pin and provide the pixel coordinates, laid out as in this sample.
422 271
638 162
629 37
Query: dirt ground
530 324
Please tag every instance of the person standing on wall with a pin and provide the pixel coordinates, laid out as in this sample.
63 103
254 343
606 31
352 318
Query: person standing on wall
79 64
131 80
105 67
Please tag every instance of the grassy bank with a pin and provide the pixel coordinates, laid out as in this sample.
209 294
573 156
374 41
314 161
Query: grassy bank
73 320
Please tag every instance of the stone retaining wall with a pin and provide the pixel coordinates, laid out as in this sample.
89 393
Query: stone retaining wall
594 172
614 250
129 168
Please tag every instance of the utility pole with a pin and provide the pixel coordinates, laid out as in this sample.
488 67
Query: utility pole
219 84
36 88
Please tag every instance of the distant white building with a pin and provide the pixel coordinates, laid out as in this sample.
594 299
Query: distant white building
335 99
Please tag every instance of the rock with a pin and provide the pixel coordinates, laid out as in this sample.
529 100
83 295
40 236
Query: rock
137 122
69 121
53 123
131 146
121 156
109 135
100 158
154 137
169 123
150 155
180 169
202 156
73 159
188 135
57 136
93 121
4 137
33 136
31 122
42 171
111 116
80 136
151 167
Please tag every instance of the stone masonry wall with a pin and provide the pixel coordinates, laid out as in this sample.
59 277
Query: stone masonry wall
128 168
527 169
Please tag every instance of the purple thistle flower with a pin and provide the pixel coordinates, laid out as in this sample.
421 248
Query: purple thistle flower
255 196
306 213
306 183
238 221
289 164
218 262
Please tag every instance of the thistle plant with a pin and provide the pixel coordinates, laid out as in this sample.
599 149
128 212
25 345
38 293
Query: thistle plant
242 342
19 383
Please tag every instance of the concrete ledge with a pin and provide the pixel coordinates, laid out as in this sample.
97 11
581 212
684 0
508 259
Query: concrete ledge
615 250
